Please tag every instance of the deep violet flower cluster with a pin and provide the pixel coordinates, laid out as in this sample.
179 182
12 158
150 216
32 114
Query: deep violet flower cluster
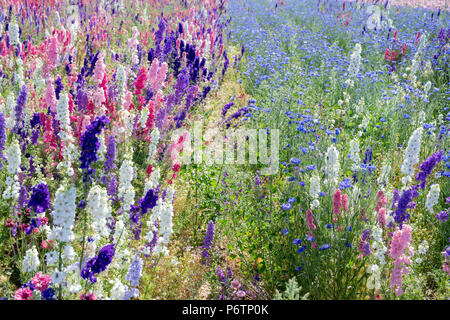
99 263
149 201
427 166
40 198
110 154
90 143
209 239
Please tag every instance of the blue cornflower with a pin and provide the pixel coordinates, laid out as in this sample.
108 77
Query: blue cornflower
295 161
298 268
284 231
346 183
329 226
291 200
286 206
309 238
301 249
297 241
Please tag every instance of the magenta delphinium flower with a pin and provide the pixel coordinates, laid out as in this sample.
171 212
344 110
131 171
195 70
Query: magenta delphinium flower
23 294
41 281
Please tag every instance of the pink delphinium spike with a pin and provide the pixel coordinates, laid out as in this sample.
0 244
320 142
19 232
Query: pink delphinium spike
100 69
50 96
52 54
337 201
310 220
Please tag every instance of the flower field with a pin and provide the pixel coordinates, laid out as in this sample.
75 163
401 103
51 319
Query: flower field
115 116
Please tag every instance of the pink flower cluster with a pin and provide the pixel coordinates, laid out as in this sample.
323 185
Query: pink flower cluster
340 201
381 208
41 281
398 249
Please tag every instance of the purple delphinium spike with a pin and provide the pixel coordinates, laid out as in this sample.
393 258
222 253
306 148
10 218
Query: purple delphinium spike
209 239
427 166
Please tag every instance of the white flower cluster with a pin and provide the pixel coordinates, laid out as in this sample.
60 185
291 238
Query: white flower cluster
102 149
378 245
354 154
13 31
432 197
314 190
143 118
13 155
153 181
31 260
164 212
39 82
373 281
18 75
64 214
411 155
426 89
99 208
132 45
126 190
118 290
385 171
417 57
10 104
422 250
63 115
332 165
355 62
121 77
69 151
154 140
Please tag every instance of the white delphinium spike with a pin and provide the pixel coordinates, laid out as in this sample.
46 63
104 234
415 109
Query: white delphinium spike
354 154
126 189
13 31
154 140
10 105
314 190
411 157
13 157
30 261
64 214
385 171
332 165
373 281
99 208
432 197
355 63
